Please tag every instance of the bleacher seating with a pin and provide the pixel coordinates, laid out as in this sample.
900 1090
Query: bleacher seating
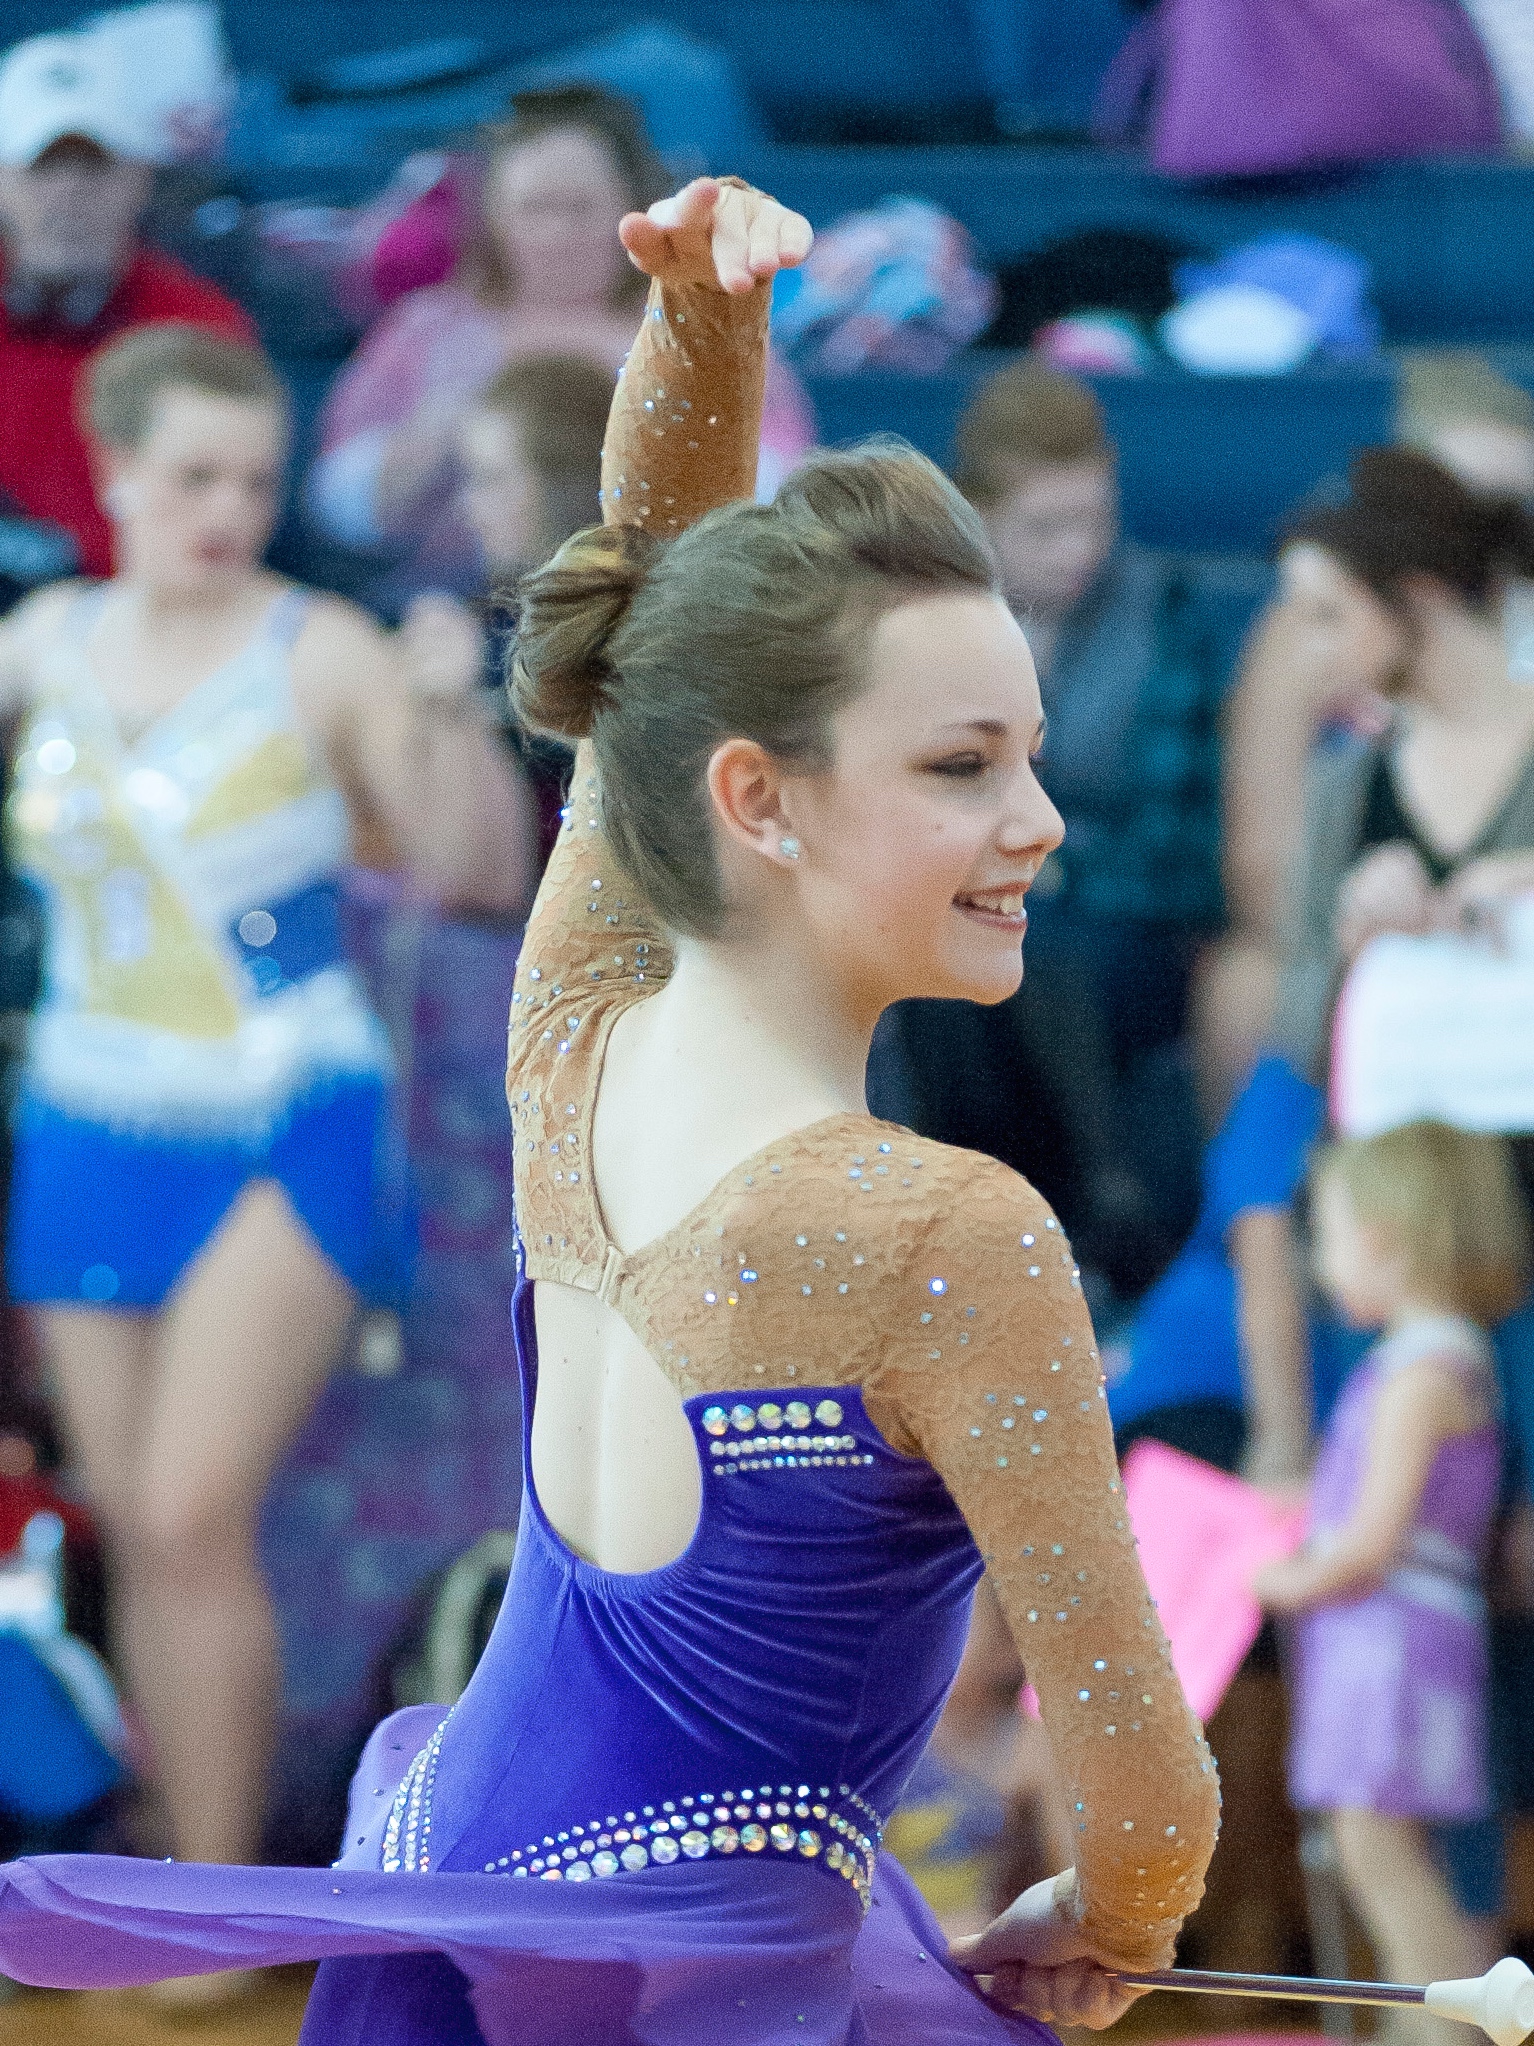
1450 243
1207 463
828 69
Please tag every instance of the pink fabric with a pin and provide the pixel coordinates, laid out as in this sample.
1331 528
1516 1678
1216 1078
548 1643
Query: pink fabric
439 339
420 247
1203 1536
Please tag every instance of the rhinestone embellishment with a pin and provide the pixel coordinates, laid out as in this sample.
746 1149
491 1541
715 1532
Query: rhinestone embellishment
789 1819
768 1436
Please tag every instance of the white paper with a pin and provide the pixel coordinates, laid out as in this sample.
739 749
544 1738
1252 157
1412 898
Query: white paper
1439 1028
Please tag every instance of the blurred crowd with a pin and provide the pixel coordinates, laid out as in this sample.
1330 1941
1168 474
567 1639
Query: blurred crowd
269 848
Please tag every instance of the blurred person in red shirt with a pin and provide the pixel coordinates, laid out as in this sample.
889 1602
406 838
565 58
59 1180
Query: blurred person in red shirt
76 169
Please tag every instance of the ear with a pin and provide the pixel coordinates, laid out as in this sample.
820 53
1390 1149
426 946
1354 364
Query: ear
746 786
109 467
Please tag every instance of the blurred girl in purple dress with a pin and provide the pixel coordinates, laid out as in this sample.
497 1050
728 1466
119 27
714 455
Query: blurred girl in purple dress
1423 1233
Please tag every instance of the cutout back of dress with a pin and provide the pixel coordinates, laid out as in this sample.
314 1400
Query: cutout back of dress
612 1454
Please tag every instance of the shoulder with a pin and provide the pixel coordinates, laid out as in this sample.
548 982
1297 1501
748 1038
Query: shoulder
966 1278
160 288
1450 1339
38 617
332 623
972 1219
1441 1390
27 634
931 1221
339 649
955 1191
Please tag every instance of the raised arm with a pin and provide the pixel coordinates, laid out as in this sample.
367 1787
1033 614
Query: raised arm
993 1377
681 439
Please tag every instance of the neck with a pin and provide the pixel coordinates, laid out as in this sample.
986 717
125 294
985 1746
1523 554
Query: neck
161 604
725 1012
1459 674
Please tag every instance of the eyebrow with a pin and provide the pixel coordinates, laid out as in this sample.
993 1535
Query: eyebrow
996 728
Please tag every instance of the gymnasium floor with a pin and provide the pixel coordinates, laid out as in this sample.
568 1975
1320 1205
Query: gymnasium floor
269 2017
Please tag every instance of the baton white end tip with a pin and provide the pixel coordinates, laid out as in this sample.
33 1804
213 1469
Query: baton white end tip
1500 2002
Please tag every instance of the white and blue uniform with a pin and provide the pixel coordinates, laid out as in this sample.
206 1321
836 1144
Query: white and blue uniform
199 1026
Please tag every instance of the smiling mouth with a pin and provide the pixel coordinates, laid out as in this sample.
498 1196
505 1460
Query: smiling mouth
1004 909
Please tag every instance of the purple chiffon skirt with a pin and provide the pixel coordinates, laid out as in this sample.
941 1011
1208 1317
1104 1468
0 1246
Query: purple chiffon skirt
763 1953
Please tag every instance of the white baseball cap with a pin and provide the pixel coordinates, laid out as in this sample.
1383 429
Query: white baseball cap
57 85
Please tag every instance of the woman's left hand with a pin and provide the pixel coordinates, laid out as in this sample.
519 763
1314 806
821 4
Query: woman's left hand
1041 1961
728 236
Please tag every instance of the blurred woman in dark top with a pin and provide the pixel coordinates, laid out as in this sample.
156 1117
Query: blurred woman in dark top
1429 826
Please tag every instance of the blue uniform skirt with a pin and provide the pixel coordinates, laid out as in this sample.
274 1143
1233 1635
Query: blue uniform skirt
112 1218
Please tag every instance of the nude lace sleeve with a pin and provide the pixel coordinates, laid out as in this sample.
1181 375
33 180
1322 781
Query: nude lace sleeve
992 1376
683 433
681 439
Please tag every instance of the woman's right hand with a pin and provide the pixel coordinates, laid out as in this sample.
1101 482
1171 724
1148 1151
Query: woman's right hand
1042 1961
1388 890
727 236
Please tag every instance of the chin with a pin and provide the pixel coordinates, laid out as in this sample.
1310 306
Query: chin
985 984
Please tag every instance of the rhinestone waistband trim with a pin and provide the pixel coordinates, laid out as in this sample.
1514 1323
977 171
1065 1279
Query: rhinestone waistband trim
841 1831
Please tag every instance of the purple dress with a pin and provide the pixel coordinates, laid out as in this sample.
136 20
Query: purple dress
1390 1689
653 1816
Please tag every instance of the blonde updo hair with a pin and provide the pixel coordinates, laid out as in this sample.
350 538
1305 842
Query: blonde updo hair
752 625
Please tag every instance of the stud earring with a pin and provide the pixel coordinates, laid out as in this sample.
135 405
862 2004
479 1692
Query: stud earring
790 848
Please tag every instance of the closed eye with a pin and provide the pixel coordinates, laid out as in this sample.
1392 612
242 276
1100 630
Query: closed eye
959 766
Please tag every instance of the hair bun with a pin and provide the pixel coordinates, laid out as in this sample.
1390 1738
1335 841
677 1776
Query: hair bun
570 611
1510 534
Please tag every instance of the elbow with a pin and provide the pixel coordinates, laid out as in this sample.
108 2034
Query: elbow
1172 1886
1187 1843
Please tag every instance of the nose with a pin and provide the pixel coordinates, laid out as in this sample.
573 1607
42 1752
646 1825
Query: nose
1031 824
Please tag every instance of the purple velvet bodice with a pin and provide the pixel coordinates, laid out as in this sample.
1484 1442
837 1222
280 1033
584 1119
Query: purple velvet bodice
767 1692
